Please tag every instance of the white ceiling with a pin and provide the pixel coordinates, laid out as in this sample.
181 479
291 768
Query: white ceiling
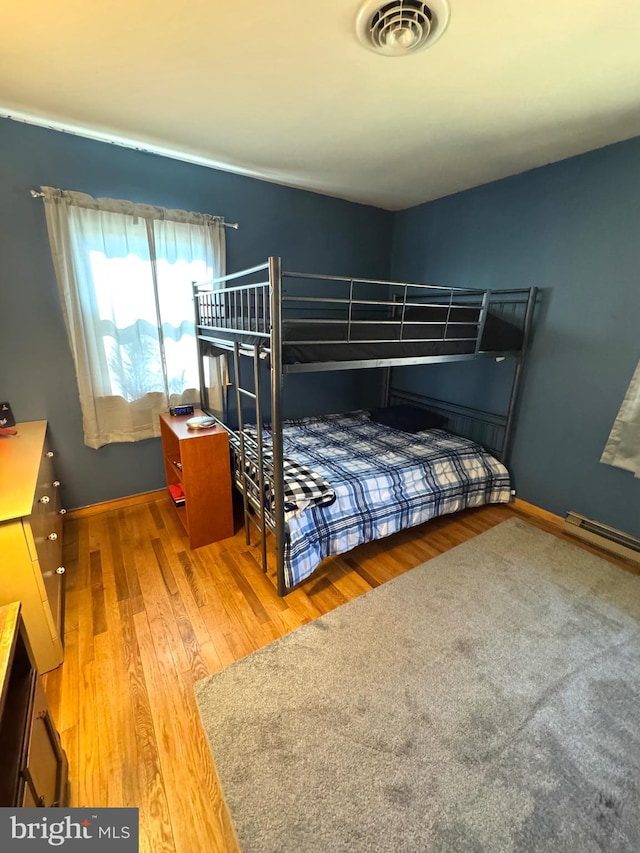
284 90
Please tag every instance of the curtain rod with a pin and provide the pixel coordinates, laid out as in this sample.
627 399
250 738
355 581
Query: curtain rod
39 194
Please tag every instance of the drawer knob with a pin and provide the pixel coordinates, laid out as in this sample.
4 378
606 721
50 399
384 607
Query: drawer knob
59 571
52 537
49 454
45 499
62 511
55 484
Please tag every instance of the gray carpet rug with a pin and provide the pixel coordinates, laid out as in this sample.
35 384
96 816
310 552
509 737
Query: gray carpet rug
488 700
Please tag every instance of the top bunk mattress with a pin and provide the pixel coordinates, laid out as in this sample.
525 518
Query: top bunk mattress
420 335
311 342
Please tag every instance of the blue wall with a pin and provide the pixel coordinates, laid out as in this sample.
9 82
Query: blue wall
309 231
572 229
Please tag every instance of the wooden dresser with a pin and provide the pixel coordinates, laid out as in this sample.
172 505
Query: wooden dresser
31 569
34 766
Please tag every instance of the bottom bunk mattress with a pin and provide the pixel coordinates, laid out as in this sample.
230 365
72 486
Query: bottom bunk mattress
384 480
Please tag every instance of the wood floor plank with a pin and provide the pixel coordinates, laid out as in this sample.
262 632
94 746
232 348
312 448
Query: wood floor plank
122 577
191 790
147 776
156 602
187 593
52 684
111 695
117 739
219 638
211 657
97 593
262 585
200 767
70 552
197 590
70 743
250 596
92 787
299 601
156 515
348 582
366 576
241 619
190 644
158 678
70 691
86 649
325 595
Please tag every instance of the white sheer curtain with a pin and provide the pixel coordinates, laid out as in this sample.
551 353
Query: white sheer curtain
623 447
124 273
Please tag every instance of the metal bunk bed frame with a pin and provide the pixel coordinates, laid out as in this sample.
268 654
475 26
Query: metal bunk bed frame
247 320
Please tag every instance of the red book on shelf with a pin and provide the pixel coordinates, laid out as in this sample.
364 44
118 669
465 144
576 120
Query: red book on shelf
177 493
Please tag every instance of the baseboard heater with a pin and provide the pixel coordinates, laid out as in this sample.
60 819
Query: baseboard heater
605 537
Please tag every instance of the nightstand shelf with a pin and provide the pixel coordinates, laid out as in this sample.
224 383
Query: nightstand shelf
198 460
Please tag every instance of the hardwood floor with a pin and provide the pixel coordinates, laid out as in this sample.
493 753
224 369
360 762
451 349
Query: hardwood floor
146 618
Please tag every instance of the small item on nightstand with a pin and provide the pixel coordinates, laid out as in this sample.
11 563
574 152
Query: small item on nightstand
201 422
177 493
181 410
6 417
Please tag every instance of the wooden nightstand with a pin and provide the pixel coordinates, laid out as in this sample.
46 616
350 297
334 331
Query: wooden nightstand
199 461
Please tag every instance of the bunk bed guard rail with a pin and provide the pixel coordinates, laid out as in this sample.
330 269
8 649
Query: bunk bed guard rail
320 309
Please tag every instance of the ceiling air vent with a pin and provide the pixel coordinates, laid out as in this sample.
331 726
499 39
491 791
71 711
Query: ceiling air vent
401 27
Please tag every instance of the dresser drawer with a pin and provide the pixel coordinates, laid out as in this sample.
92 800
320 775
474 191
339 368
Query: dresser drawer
43 766
46 475
46 516
46 539
31 539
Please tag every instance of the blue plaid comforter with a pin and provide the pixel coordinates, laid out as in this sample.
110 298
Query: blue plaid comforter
384 480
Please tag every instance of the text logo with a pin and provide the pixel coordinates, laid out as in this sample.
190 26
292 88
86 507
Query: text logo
32 830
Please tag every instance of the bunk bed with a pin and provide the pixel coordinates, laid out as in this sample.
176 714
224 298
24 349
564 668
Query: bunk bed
444 457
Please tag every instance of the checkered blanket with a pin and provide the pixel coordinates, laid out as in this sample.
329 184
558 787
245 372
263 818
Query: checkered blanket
384 480
302 487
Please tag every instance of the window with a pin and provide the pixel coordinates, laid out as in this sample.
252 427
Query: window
124 273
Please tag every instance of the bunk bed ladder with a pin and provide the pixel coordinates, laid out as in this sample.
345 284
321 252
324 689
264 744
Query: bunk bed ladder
277 481
277 378
263 520
258 457
198 321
